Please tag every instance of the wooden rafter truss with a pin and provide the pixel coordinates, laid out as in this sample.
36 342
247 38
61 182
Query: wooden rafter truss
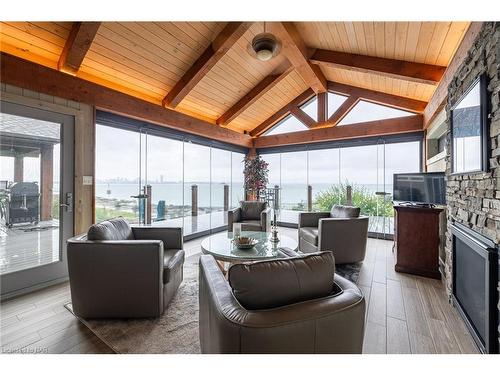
353 96
302 60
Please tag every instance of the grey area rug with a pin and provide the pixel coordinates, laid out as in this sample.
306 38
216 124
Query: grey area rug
176 331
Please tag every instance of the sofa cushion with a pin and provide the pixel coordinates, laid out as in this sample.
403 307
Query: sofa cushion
172 259
274 283
309 234
343 212
110 230
250 210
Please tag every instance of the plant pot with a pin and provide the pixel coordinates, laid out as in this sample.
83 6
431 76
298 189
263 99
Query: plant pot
251 196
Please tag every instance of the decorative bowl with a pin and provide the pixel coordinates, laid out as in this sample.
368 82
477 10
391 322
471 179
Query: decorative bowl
244 243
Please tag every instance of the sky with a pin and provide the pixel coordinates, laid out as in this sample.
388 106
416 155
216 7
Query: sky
363 111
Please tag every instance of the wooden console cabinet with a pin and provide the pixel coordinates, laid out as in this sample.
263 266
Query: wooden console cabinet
417 240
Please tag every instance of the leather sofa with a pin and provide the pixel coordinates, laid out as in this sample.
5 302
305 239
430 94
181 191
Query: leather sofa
295 305
253 216
342 231
119 271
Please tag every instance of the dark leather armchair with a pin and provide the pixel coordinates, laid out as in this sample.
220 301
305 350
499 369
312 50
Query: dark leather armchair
295 305
253 216
118 271
341 231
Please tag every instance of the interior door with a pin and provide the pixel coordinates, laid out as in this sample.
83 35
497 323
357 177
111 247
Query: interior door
36 196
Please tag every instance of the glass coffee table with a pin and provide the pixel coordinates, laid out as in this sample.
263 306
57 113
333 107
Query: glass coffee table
220 245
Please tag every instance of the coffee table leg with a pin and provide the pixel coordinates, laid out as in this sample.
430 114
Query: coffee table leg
224 266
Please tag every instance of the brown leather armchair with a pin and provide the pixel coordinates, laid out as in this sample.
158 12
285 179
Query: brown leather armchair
118 271
264 310
253 216
341 231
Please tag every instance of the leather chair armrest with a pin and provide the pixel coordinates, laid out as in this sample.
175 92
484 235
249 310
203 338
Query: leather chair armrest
311 219
265 219
233 216
172 237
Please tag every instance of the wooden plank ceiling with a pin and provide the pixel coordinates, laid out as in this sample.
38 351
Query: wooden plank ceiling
147 60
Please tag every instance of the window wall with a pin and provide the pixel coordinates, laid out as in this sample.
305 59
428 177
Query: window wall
165 165
237 179
116 173
293 185
367 168
191 185
324 175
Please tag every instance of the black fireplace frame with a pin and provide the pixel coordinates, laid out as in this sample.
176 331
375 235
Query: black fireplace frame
487 249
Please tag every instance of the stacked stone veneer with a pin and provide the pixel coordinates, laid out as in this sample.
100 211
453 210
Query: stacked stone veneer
474 199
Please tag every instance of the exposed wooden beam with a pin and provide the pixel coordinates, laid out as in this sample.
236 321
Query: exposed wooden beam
343 110
296 51
367 129
80 39
255 94
214 52
409 71
438 99
394 101
31 76
282 112
303 117
322 107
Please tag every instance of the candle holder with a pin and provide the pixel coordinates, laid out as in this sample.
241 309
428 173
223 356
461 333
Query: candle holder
274 230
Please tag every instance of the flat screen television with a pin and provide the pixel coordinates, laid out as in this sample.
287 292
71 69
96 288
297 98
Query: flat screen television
420 188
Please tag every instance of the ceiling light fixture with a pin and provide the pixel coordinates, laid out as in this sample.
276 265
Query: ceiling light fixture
265 46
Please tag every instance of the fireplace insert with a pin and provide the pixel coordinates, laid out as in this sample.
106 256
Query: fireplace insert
475 283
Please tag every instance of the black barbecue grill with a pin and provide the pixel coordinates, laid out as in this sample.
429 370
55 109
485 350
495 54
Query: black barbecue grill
22 204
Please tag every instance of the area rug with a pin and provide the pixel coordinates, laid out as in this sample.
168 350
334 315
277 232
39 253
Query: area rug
176 331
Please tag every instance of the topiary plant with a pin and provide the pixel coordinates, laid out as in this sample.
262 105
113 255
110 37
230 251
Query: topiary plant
256 176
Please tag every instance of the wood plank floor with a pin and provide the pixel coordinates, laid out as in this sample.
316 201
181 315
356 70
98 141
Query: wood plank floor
405 314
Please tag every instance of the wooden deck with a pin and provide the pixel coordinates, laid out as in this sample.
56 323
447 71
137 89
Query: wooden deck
405 314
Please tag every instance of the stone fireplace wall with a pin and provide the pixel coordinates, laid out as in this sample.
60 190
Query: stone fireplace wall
474 199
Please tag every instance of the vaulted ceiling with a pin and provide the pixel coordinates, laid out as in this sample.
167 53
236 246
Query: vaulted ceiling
205 69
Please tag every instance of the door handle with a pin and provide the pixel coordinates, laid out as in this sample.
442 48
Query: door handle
69 202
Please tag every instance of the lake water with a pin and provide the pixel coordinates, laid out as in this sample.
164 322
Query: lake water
178 194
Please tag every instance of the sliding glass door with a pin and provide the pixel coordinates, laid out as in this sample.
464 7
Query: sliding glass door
359 170
117 174
237 179
220 184
151 178
197 189
164 165
324 178
293 197
36 196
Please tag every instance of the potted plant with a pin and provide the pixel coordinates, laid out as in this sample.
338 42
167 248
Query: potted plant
255 172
